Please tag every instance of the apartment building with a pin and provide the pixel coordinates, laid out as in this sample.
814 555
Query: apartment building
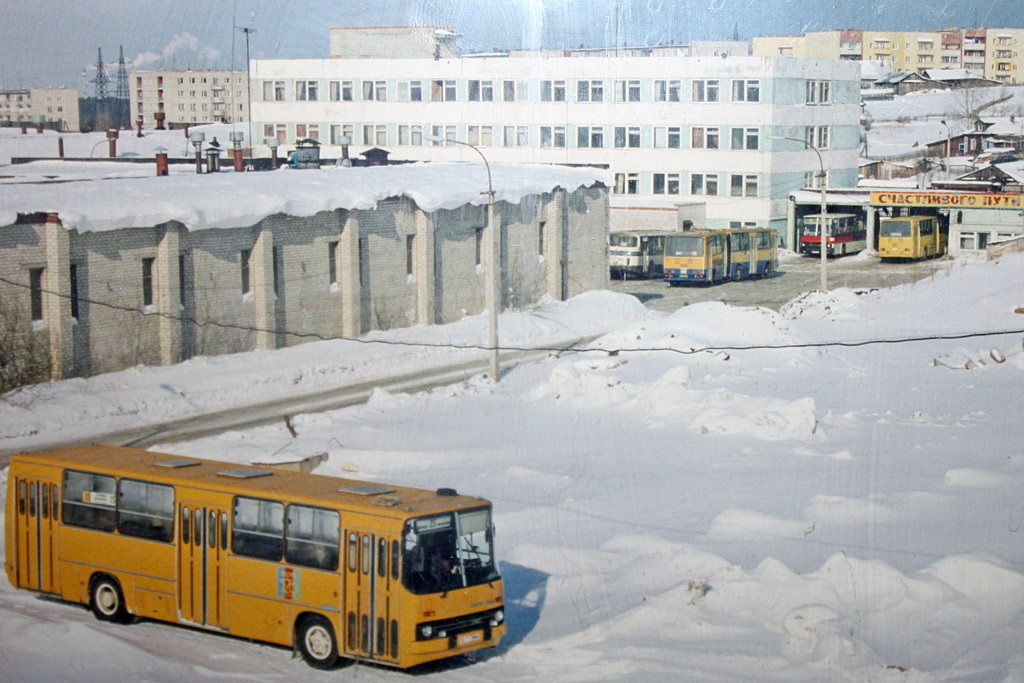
209 96
57 106
727 134
988 53
1003 56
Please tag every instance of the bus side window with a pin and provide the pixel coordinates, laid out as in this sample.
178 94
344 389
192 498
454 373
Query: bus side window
44 503
55 497
32 499
211 530
394 560
353 552
382 557
21 497
197 527
223 531
185 526
367 554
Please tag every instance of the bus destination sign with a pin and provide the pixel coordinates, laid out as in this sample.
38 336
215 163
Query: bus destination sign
976 200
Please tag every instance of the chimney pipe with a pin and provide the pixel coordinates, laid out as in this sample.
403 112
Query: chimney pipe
161 163
112 142
60 147
138 125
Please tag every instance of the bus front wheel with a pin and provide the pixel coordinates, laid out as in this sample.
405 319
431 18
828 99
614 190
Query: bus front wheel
107 601
316 641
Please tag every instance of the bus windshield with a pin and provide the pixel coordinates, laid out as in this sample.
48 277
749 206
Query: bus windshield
631 241
689 245
810 226
895 229
448 551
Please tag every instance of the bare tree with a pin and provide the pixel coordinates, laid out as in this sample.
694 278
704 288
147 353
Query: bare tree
24 354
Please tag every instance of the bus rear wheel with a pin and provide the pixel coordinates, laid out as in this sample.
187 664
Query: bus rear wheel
107 601
316 641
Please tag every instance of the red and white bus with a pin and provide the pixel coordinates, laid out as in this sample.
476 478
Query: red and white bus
844 233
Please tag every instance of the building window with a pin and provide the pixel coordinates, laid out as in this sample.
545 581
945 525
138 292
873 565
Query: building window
334 91
540 237
667 137
552 91
74 291
479 245
627 91
245 257
307 91
666 91
35 285
705 90
967 240
746 90
590 136
482 136
481 91
277 262
704 138
590 91
704 184
744 138
278 91
627 137
147 282
743 186
819 92
552 136
666 183
818 137
627 183
410 241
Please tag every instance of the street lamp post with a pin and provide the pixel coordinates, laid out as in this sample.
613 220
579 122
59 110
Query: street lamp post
948 159
823 224
492 295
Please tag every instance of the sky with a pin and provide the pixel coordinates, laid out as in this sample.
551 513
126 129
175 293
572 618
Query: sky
51 43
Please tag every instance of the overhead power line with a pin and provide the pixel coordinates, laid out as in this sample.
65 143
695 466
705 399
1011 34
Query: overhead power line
953 336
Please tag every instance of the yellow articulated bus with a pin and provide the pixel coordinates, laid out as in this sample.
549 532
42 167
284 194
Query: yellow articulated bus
911 237
335 568
710 256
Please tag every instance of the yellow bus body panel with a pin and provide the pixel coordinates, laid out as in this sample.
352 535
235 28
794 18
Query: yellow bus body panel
243 596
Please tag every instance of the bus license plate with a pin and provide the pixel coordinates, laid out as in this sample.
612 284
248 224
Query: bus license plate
467 638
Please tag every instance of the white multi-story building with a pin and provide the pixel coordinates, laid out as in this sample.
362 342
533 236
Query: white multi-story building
214 96
33 105
727 133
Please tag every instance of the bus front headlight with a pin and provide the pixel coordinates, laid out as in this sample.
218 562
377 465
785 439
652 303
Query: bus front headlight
498 617
426 630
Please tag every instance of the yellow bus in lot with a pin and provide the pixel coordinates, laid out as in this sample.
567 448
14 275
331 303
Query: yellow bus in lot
911 237
753 252
332 567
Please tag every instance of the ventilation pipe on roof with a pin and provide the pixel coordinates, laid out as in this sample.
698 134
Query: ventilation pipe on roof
112 143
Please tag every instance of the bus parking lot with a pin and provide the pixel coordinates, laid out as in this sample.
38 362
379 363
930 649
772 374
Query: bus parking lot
796 275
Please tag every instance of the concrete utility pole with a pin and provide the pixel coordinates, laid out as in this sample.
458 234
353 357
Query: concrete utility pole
492 296
248 84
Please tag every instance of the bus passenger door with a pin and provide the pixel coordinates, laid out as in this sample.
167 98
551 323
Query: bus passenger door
35 528
202 564
370 617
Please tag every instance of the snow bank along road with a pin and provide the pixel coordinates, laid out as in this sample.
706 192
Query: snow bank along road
208 395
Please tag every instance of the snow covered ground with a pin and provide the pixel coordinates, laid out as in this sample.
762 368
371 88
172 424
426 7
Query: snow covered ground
719 494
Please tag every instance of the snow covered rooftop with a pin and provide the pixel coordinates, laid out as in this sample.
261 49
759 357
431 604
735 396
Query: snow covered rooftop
228 200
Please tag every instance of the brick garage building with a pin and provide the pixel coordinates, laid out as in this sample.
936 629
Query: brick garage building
156 270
